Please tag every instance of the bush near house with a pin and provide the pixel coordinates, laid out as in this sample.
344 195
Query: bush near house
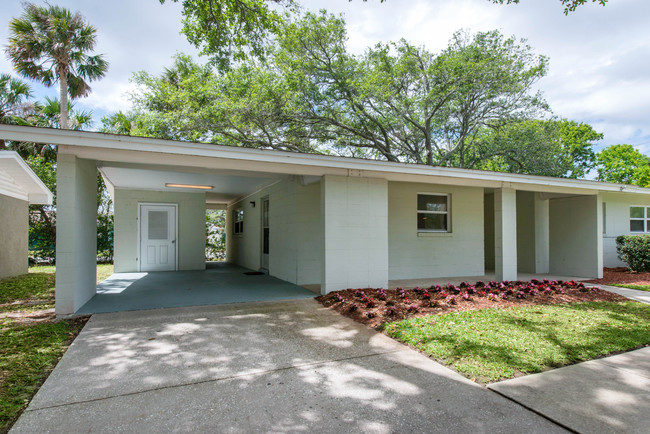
634 250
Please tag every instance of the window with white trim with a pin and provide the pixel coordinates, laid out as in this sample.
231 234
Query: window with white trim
433 212
640 219
238 221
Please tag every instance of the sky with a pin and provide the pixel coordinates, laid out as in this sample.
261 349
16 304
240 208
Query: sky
599 69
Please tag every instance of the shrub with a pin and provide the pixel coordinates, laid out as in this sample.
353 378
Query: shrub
634 250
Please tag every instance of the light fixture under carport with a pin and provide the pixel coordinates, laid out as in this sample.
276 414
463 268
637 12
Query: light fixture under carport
198 187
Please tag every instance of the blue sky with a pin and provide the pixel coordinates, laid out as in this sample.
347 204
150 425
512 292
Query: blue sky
599 56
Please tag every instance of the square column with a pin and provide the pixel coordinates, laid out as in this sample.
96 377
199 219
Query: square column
76 233
541 235
354 215
505 234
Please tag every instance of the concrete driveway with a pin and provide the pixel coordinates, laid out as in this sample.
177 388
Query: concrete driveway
276 366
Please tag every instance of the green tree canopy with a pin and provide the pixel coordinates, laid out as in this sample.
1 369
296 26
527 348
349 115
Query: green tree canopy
230 30
50 44
624 164
396 101
472 105
559 148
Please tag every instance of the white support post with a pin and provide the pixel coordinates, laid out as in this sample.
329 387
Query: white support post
76 233
541 235
505 234
599 237
354 213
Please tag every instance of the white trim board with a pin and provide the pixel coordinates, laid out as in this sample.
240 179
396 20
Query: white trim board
17 180
289 162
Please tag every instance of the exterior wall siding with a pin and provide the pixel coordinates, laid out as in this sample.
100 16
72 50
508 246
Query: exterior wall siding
294 232
617 222
14 235
354 212
575 236
458 253
191 227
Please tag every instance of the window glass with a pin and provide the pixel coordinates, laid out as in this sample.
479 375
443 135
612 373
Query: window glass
636 225
432 203
636 212
433 213
238 217
432 222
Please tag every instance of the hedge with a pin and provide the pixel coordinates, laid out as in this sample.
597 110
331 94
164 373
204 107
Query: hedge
634 250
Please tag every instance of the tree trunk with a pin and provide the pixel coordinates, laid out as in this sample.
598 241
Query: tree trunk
63 93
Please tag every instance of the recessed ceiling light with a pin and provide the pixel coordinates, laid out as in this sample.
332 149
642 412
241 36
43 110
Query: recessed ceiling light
198 187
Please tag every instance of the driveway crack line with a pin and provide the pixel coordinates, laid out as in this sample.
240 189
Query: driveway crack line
537 412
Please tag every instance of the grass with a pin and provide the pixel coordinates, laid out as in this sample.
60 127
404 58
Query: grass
27 355
631 286
493 344
29 351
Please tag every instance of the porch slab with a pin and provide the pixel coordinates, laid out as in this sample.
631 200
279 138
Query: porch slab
219 283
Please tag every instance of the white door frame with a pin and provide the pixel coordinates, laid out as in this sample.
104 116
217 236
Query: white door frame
140 205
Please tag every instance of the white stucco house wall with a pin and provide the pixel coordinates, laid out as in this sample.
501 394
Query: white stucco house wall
329 221
19 188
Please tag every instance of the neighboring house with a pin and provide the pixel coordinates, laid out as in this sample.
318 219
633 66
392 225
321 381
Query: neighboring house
19 188
322 220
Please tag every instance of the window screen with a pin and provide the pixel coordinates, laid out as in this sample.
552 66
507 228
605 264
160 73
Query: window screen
158 225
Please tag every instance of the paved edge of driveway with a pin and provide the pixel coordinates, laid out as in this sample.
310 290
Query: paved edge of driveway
632 294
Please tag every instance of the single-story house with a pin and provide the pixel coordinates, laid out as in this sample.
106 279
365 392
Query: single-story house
322 220
19 188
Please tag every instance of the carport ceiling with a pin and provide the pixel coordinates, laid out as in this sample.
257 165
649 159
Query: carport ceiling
227 185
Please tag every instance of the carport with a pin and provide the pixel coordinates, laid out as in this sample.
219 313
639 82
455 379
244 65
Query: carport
219 283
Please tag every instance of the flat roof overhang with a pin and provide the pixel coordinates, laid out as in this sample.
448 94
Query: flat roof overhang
118 149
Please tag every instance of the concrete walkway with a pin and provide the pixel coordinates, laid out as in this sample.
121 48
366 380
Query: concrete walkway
632 294
278 366
600 396
219 283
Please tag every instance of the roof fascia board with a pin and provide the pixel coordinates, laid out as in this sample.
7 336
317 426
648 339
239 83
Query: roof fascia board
86 139
227 164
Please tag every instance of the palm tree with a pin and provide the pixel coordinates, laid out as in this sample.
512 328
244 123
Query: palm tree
47 115
50 44
13 102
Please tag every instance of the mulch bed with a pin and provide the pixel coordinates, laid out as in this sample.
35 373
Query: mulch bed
622 275
375 307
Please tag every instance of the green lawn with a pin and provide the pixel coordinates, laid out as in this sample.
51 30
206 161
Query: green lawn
639 287
493 344
29 351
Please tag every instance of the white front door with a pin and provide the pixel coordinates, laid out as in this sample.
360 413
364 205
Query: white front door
157 237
